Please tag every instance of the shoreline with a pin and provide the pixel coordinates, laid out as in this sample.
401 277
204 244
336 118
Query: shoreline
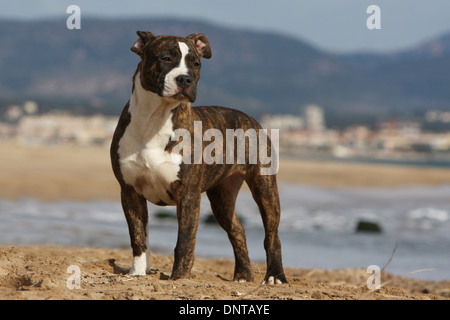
84 173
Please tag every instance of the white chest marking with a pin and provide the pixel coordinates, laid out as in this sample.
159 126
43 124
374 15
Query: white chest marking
170 84
144 163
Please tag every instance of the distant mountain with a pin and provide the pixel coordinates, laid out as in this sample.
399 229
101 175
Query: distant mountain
90 70
417 79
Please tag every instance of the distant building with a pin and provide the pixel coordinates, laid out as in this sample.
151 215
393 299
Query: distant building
51 129
437 116
282 122
315 119
30 107
15 112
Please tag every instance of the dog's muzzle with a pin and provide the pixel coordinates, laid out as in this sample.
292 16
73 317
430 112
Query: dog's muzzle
186 88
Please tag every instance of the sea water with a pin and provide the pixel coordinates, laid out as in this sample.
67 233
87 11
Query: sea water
317 227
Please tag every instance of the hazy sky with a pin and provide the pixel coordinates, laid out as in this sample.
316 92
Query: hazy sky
334 25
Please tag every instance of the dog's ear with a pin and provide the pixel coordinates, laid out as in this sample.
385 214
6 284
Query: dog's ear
144 38
202 45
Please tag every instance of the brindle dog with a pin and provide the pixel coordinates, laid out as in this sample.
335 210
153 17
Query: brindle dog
147 169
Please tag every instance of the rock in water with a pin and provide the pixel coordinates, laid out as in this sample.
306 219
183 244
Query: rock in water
368 226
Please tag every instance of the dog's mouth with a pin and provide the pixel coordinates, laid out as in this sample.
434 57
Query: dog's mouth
181 97
184 94
178 92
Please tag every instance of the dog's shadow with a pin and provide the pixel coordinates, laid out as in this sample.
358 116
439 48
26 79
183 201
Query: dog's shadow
116 268
162 276
124 271
222 278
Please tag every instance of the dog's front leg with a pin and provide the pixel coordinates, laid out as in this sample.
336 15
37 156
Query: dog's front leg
136 214
188 211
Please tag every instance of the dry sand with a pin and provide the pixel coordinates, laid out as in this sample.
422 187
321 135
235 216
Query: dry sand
78 173
40 272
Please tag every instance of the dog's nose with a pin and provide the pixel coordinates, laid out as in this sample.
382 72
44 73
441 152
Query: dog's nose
184 81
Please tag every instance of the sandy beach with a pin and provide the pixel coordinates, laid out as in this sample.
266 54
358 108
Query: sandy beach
41 272
84 173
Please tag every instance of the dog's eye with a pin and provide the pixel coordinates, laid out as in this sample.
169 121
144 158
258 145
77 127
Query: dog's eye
167 59
197 64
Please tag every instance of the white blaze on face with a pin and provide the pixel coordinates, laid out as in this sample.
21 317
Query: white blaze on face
170 84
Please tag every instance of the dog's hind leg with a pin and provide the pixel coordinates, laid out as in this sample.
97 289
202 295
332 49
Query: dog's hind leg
223 199
136 214
265 192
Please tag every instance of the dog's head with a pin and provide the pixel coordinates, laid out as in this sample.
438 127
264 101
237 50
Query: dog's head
170 66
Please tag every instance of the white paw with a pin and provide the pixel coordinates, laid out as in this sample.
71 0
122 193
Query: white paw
272 281
137 273
140 266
